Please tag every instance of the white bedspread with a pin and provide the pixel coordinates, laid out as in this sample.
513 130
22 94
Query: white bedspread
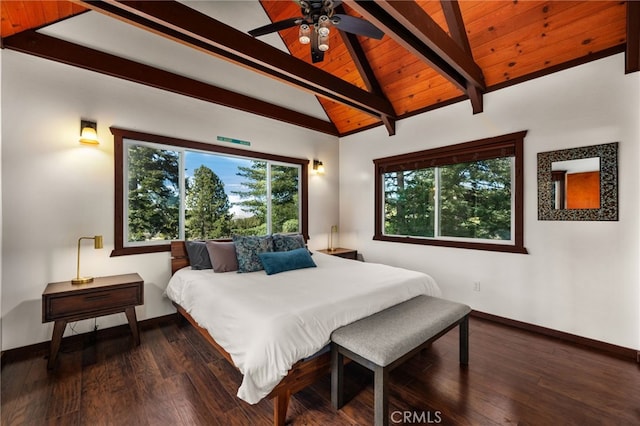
269 322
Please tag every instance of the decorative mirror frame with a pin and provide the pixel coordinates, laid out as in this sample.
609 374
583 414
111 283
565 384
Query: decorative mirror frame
608 210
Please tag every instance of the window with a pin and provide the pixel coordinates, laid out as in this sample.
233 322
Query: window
171 189
467 195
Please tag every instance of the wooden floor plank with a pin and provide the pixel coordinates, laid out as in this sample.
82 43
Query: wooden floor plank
175 377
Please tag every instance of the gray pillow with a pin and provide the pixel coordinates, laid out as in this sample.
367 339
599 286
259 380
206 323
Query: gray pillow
223 256
198 255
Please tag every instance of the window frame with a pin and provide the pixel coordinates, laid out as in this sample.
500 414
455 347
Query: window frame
120 249
511 144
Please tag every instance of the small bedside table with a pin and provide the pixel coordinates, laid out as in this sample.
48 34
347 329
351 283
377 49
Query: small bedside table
63 302
342 252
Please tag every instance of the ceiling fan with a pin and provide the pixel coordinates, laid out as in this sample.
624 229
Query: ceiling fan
318 16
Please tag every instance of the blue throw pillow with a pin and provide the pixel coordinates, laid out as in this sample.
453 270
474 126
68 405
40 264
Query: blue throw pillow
280 261
247 250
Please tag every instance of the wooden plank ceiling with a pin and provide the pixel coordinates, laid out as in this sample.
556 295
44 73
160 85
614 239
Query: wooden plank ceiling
365 82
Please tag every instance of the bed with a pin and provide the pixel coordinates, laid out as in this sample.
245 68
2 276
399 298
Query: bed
273 328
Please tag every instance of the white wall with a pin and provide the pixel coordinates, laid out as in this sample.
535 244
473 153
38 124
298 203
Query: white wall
579 277
54 190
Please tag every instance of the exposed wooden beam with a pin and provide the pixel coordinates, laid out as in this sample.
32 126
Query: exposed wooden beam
364 68
453 16
366 72
411 27
68 53
180 23
632 53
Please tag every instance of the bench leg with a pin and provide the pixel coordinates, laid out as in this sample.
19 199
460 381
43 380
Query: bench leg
337 377
381 396
464 341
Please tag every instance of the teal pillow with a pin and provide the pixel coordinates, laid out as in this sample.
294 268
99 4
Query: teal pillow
247 250
280 261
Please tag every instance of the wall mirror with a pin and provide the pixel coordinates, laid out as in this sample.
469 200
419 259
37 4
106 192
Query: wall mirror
578 183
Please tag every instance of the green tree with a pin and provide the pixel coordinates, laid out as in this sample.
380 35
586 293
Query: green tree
153 200
207 206
476 199
254 199
284 197
409 207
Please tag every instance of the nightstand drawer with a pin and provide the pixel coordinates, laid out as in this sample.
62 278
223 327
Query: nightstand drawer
90 303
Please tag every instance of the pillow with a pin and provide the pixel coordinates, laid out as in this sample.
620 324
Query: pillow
198 255
280 261
222 255
283 242
247 250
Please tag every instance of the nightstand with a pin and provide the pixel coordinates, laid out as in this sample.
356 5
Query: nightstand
64 302
342 252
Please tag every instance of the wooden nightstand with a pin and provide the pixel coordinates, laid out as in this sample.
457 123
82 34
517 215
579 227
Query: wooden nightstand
63 302
342 252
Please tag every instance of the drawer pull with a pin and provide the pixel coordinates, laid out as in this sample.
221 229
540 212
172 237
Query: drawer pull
98 297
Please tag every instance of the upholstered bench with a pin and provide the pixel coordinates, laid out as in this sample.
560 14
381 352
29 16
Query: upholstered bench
385 340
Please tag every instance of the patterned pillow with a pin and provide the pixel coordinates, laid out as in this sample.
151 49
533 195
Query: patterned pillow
198 255
247 250
283 242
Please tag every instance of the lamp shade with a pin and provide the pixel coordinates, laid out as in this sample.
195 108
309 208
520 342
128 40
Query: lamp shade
97 242
318 167
89 136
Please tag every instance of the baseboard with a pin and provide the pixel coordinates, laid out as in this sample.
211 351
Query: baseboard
111 332
77 339
618 351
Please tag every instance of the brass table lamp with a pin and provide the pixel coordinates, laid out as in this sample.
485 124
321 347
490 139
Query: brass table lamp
97 244
334 228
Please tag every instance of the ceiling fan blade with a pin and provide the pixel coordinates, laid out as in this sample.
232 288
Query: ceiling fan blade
351 24
275 26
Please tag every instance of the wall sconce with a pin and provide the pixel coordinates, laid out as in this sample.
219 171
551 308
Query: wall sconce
89 132
318 167
97 244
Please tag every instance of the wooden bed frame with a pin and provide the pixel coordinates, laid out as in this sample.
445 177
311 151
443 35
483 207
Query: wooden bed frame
302 374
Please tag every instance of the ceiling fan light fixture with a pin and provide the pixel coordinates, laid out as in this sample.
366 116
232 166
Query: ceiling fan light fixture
323 26
304 34
323 43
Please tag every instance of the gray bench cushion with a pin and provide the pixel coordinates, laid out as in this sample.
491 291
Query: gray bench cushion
386 336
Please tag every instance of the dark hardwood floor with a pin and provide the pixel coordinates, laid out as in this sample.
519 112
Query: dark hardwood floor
175 378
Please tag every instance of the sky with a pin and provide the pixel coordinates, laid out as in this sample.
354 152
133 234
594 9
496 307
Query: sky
223 166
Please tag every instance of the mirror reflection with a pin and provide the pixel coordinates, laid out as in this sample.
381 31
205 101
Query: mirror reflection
579 183
576 183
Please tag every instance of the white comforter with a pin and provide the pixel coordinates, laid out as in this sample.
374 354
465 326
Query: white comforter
269 322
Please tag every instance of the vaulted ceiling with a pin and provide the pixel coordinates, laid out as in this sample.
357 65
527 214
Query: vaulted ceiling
433 53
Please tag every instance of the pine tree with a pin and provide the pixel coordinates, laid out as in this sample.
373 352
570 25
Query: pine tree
153 200
207 206
284 197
